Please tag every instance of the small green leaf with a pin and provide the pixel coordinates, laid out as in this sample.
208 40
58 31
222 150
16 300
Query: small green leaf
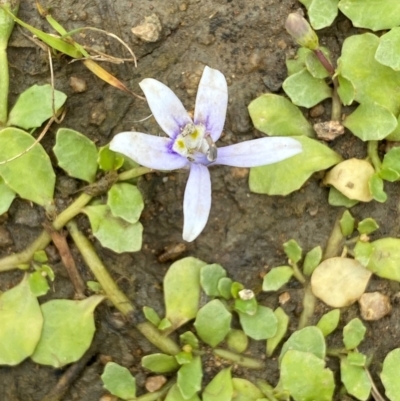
355 379
76 154
67 331
375 184
236 288
245 390
283 322
329 322
21 323
35 105
214 311
183 357
188 338
305 377
353 333
314 66
277 116
371 122
390 375
119 381
322 13
336 198
182 290
347 223
287 176
220 387
292 250
276 278
237 340
160 363
174 394
125 201
260 326
363 252
189 378
305 90
384 14
384 257
357 359
164 324
225 287
38 284
312 260
388 50
40 256
298 63
113 232
345 91
209 279
109 160
308 340
248 306
391 165
7 195
151 315
31 175
367 226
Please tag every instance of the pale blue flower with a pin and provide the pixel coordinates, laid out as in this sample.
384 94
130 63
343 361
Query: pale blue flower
191 143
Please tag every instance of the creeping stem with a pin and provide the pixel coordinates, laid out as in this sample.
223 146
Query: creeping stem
373 155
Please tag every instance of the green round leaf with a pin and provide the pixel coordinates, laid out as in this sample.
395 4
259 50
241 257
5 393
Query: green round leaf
276 278
31 175
390 375
347 223
367 226
109 160
160 363
305 90
345 91
76 154
38 284
34 106
277 116
237 340
189 378
215 312
371 122
376 186
225 287
304 376
182 290
308 340
125 201
312 260
336 198
292 250
245 390
119 381
329 322
353 333
7 195
209 279
21 323
355 379
374 15
67 331
220 387
372 81
260 326
114 232
388 51
287 176
322 13
391 163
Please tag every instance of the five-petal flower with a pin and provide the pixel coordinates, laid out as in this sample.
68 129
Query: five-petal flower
191 144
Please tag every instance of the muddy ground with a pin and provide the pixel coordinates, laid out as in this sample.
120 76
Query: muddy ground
245 232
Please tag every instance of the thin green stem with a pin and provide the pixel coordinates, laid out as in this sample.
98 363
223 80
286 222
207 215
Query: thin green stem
309 301
13 261
134 173
298 274
239 359
335 241
374 156
266 389
4 82
113 293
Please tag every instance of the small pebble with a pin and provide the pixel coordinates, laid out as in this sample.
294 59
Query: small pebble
374 305
78 85
284 298
317 111
154 383
149 30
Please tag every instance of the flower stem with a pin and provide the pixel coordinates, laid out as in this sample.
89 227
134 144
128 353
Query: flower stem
336 112
241 360
308 307
373 155
133 173
298 274
335 241
113 293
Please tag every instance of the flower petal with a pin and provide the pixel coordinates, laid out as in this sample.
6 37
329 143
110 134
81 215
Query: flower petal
197 202
258 152
167 109
147 150
212 102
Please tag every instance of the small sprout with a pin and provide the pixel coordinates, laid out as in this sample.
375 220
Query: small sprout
237 341
353 333
151 315
367 226
300 30
347 223
292 250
